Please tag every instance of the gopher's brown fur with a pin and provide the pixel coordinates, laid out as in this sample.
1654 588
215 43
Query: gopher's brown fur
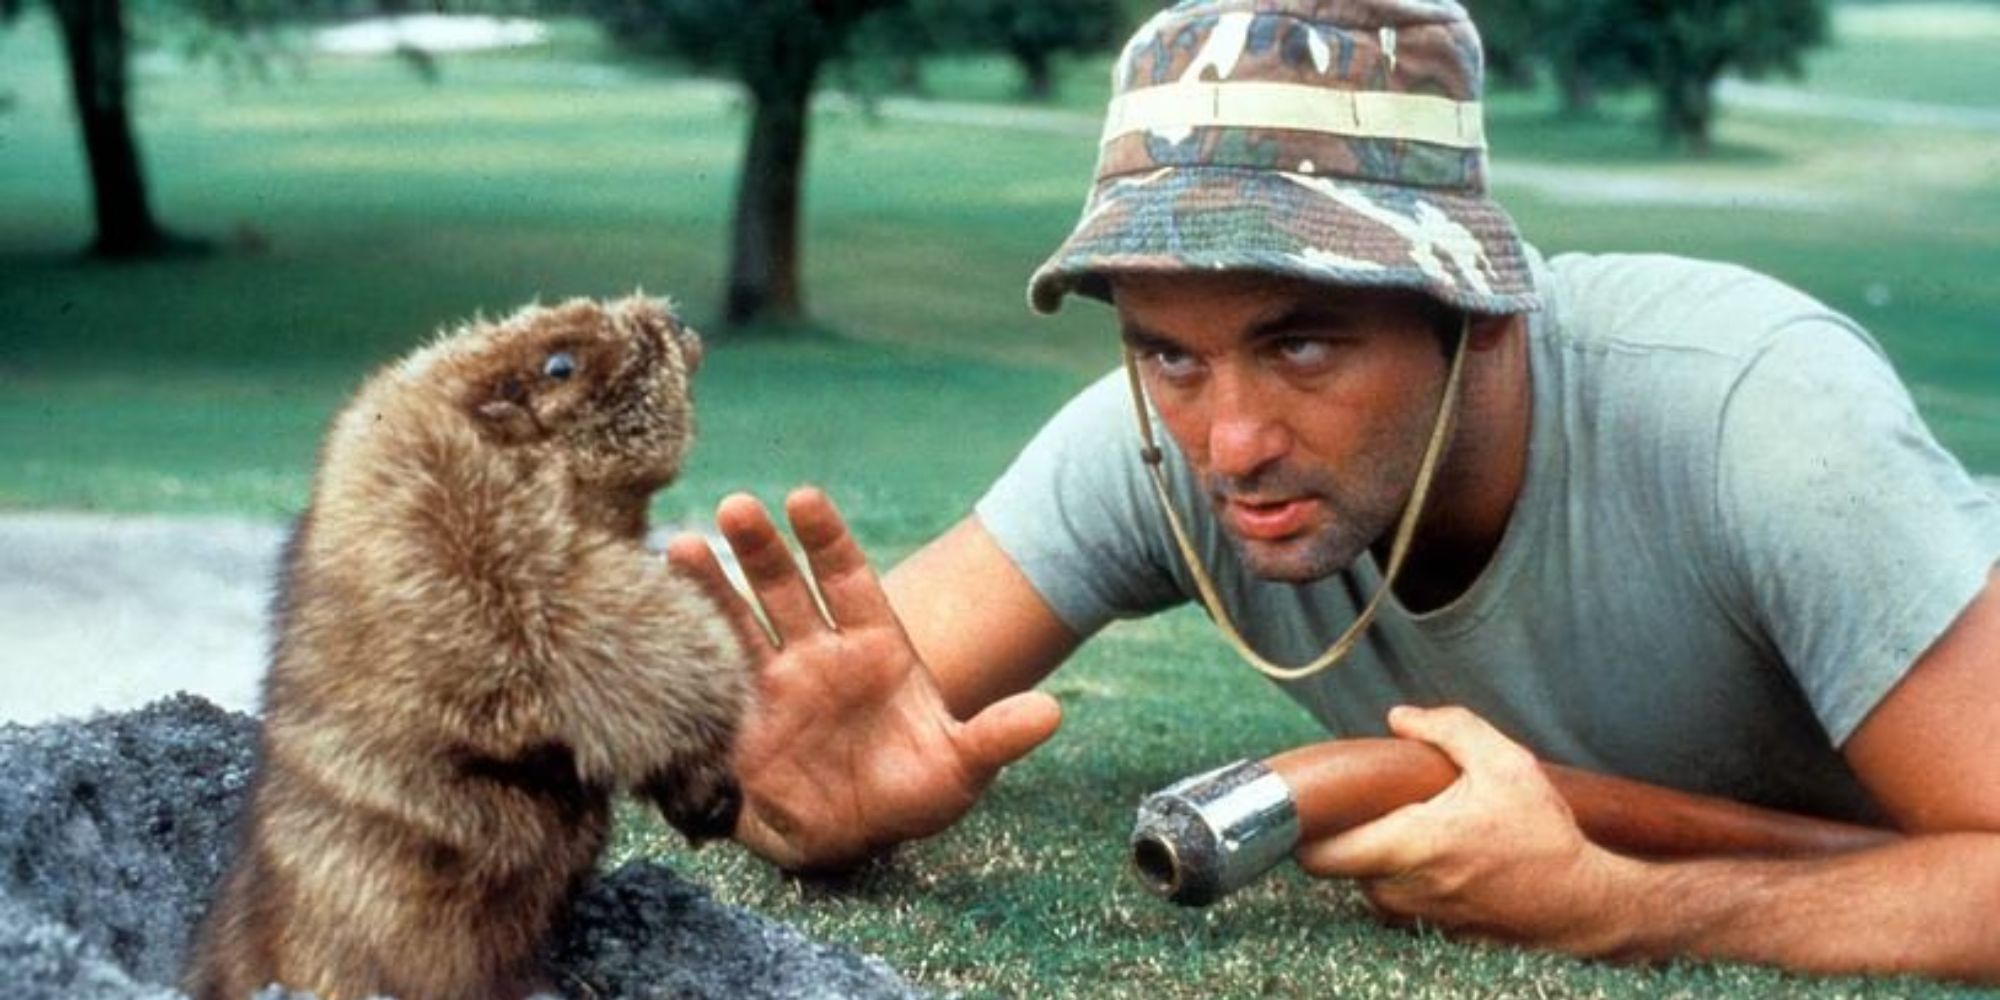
474 652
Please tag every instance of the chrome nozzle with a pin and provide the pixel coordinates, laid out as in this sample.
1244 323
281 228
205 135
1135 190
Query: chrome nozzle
1204 837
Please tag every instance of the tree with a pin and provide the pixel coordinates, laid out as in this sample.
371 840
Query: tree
1696 41
1508 34
96 44
1593 46
1587 46
1033 33
777 49
1677 48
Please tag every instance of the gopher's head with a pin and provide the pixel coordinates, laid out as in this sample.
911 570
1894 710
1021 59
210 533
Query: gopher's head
601 387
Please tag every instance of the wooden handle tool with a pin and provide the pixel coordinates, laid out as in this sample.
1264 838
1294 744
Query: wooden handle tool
1206 836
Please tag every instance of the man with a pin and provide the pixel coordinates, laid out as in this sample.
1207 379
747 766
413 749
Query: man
1677 522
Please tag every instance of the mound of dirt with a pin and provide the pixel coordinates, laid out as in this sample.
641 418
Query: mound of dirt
114 830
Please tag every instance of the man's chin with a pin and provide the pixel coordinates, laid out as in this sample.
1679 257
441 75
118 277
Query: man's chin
1295 561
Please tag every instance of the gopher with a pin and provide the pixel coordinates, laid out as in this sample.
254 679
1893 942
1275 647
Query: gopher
474 652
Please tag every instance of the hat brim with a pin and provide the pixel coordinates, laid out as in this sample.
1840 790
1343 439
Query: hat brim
1462 249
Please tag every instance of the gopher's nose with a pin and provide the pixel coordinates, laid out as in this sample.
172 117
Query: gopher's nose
691 349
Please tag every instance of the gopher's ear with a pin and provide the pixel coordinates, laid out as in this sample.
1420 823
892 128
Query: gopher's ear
656 316
507 423
506 417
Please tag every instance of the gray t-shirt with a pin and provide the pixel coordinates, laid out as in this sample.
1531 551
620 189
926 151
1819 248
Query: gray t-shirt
1735 536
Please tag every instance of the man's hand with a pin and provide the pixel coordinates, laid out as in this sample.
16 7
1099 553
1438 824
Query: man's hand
1498 853
849 748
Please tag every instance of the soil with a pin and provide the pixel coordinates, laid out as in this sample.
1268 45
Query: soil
114 829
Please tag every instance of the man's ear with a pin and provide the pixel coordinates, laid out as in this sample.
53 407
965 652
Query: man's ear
1489 332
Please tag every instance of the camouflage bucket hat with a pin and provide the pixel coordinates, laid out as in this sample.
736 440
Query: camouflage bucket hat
1338 141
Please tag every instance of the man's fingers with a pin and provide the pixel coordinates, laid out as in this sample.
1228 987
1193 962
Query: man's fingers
847 584
1470 741
769 567
1387 846
1007 730
689 553
766 841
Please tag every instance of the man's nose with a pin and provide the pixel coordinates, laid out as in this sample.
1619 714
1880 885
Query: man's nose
1245 431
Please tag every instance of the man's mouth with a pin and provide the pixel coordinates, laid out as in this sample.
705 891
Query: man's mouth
1267 521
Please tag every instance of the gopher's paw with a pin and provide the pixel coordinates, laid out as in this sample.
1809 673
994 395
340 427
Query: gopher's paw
703 804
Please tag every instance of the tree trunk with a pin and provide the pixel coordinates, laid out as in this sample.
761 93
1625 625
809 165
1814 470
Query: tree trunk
95 41
764 251
1506 69
906 74
1038 79
1579 90
1687 110
781 66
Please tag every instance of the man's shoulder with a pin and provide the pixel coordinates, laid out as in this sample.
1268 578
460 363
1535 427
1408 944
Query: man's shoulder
1664 303
1645 360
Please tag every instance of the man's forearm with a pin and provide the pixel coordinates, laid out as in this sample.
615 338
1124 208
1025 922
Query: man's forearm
1924 905
979 625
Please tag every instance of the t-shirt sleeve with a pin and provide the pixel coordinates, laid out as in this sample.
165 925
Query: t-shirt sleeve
1075 513
1856 539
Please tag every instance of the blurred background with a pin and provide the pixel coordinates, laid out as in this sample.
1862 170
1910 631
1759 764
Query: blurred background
216 216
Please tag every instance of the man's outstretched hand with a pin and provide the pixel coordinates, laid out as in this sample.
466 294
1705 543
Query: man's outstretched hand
850 747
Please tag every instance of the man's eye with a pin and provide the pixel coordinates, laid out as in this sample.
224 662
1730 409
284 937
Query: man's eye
1304 352
1173 365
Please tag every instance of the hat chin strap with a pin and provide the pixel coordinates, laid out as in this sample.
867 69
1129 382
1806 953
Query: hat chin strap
1406 529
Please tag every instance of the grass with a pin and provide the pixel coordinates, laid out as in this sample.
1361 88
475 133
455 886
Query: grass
1010 903
361 209
178 440
1957 44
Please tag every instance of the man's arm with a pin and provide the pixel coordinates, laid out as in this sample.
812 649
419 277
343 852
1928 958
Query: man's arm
975 619
1930 754
1498 854
850 746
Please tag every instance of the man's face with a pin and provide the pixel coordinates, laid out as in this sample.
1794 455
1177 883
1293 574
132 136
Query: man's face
1304 409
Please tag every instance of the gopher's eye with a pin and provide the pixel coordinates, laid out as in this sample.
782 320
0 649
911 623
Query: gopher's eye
560 365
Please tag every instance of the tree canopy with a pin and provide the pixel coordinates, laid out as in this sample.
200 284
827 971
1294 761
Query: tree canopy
1031 32
1678 49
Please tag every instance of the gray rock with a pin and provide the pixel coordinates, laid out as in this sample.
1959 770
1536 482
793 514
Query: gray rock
642 932
42 960
114 830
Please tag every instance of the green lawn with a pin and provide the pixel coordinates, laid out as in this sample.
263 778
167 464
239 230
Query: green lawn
1959 43
1015 903
361 209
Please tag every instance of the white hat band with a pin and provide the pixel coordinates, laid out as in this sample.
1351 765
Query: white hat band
1179 108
